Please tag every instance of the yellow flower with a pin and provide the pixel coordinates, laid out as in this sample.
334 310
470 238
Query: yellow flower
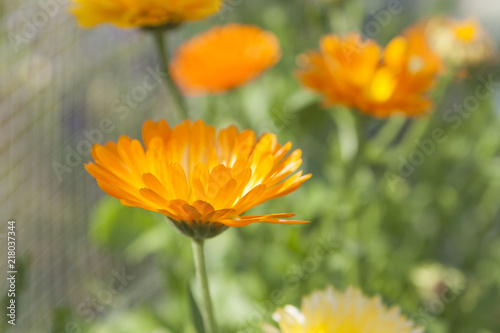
332 312
142 13
462 43
223 58
201 180
356 73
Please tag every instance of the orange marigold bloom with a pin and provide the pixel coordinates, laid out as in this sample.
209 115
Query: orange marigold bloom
357 73
461 42
223 58
201 180
142 13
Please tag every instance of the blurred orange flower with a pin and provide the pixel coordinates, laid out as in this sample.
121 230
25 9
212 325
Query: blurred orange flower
142 13
357 73
201 180
461 42
223 58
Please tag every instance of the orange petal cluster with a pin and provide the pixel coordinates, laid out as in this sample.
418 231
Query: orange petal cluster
142 13
223 58
194 175
357 73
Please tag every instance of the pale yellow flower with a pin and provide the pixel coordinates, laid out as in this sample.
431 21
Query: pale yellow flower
461 42
331 311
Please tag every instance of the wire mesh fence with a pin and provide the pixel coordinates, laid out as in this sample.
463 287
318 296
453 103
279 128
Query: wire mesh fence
61 89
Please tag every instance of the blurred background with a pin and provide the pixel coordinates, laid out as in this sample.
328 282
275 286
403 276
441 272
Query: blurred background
425 235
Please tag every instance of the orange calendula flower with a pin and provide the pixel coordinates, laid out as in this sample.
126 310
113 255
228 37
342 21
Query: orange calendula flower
223 58
142 13
202 180
461 42
357 73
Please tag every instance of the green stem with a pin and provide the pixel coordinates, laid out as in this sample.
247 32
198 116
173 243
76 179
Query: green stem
424 127
201 274
352 126
361 122
212 108
242 117
161 46
386 135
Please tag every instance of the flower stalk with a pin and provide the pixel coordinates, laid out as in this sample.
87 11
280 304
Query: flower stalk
201 275
162 49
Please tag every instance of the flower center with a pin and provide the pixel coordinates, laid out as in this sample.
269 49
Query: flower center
465 32
383 85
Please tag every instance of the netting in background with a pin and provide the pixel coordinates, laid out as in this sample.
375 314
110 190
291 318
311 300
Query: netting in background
58 83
